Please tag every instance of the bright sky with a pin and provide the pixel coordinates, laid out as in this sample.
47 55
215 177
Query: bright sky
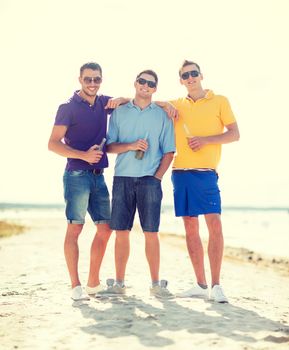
241 45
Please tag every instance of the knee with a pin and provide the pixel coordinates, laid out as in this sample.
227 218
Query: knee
151 236
104 234
191 227
122 236
74 230
215 226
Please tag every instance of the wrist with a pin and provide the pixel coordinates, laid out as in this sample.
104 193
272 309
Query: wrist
158 177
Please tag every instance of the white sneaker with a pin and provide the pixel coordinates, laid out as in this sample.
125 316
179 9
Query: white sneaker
218 295
195 292
78 294
94 290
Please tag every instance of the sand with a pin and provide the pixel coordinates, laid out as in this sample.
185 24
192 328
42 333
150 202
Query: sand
36 311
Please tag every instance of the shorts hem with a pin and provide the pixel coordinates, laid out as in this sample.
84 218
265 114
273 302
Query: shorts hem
120 229
79 222
197 214
98 222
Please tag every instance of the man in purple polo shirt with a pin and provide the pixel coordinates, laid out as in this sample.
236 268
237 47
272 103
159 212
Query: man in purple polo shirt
80 127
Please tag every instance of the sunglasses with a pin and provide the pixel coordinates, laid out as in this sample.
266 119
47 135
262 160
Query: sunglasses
192 73
96 80
151 84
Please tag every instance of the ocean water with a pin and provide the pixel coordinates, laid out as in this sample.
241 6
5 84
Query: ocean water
263 230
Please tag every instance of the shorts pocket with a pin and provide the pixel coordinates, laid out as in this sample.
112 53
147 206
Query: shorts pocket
213 196
75 173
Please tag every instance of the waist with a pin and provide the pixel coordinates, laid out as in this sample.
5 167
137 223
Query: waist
193 169
93 171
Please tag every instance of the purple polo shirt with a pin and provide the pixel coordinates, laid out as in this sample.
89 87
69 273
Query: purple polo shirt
87 126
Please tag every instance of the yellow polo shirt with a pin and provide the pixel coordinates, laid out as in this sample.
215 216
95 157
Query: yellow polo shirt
205 117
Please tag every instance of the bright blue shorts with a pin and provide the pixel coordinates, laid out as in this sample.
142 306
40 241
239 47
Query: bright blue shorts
196 192
84 192
129 193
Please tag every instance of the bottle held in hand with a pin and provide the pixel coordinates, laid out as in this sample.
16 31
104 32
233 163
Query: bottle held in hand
100 147
139 154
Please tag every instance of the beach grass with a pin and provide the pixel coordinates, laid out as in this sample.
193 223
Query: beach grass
9 228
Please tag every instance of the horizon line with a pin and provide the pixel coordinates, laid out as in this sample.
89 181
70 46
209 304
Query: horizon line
39 205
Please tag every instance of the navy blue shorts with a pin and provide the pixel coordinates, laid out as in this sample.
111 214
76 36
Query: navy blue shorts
196 192
129 193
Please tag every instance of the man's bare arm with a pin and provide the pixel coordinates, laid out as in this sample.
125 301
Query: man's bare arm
56 145
171 111
117 147
164 165
230 135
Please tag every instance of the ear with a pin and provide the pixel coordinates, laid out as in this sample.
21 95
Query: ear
202 77
181 81
134 84
79 79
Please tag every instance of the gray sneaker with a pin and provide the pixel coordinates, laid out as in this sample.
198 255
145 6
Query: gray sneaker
161 291
113 288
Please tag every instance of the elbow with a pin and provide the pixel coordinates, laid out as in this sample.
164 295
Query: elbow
50 145
170 156
108 149
237 137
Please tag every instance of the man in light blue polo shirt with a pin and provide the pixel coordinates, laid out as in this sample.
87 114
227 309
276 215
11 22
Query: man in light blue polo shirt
142 136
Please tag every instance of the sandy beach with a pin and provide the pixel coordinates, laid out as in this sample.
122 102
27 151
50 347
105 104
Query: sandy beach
36 311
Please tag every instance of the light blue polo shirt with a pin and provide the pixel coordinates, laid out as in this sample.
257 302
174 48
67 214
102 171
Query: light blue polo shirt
127 124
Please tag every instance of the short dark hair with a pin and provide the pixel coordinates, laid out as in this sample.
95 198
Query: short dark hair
188 63
90 65
150 72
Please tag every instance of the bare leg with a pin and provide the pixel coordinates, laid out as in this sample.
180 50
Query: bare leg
97 251
152 249
122 249
71 252
215 246
195 247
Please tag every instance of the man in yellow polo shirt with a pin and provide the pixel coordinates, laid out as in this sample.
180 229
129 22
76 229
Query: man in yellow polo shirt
205 122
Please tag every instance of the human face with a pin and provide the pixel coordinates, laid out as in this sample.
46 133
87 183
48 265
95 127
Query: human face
193 82
90 81
142 86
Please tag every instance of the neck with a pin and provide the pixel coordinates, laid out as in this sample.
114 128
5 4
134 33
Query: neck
197 94
89 99
142 103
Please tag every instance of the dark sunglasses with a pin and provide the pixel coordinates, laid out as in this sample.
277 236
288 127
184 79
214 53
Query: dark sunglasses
192 73
142 81
96 80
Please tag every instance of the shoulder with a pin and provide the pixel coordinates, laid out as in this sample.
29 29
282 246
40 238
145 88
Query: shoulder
103 99
179 102
66 106
220 98
121 110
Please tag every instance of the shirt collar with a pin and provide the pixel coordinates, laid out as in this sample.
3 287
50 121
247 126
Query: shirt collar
132 105
76 97
208 96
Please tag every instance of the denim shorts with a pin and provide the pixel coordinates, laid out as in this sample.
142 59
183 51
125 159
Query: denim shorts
196 192
129 193
85 191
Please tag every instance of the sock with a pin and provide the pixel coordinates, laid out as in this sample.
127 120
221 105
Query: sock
120 283
155 283
204 286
